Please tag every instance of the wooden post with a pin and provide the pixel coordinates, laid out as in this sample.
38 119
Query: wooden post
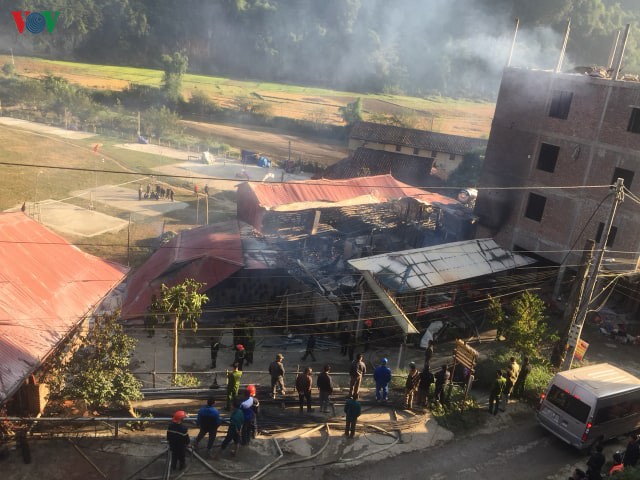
197 208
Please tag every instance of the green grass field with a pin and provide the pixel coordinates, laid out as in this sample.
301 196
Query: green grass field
26 183
455 116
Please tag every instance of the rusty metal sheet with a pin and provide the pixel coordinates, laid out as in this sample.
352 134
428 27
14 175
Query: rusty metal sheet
47 286
208 254
321 193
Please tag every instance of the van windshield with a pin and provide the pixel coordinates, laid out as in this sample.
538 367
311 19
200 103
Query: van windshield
568 404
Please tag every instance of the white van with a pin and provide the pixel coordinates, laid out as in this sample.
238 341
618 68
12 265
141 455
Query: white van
585 404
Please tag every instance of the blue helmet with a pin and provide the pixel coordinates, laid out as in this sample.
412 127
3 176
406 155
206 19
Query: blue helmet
384 361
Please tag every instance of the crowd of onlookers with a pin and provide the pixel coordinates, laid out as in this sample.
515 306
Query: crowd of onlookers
596 462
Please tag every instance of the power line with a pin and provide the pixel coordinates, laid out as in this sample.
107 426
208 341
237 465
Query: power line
335 183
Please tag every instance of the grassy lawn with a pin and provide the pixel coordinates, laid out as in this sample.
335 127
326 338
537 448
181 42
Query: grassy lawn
25 183
448 115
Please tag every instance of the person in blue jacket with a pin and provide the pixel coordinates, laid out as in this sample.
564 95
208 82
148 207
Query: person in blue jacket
208 421
382 377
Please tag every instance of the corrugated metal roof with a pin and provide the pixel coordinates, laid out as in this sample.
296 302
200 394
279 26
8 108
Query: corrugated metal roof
292 196
207 254
410 137
46 287
421 268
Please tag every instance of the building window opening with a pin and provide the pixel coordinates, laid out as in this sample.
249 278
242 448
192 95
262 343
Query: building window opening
535 207
625 175
560 104
398 148
634 121
612 234
452 156
416 151
548 157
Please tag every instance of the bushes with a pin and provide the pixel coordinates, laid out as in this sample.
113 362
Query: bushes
186 380
629 473
537 381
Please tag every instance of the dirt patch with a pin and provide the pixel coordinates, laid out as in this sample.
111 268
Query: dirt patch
273 143
45 129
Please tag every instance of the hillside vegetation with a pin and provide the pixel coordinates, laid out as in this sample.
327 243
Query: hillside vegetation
412 46
315 106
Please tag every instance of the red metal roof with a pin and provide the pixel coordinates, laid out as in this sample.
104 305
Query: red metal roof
208 254
47 286
382 188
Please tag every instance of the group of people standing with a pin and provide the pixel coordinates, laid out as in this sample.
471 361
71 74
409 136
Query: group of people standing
156 193
243 427
508 382
597 460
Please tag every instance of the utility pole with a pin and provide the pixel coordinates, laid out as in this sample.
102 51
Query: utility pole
129 250
592 278
513 46
206 199
573 303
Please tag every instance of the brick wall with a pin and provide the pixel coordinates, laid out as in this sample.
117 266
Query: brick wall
592 141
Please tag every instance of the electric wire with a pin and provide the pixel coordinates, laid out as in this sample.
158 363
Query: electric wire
335 183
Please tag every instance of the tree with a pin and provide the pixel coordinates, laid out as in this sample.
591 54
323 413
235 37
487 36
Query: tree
183 304
98 372
201 104
160 121
495 315
174 67
527 329
352 112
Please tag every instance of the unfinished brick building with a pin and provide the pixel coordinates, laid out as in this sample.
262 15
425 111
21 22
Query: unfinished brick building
561 130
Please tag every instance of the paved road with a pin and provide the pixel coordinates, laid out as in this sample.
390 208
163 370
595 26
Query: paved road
524 450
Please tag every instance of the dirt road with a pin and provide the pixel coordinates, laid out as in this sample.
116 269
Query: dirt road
272 143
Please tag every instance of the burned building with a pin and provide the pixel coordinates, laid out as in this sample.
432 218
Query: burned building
364 207
289 247
363 162
405 287
555 133
441 153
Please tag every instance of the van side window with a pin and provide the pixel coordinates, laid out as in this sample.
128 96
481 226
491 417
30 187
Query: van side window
619 410
568 403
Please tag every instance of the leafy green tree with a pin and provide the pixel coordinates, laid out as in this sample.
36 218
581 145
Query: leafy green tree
160 121
98 372
496 317
527 329
181 304
352 112
201 104
174 66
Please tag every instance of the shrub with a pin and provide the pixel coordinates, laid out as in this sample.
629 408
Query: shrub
458 415
536 383
629 473
98 372
186 380
9 69
201 104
